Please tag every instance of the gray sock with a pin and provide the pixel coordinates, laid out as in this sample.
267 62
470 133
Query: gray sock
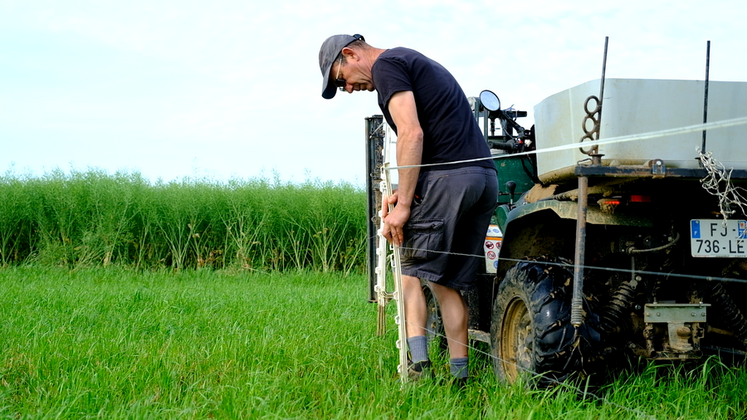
418 347
459 367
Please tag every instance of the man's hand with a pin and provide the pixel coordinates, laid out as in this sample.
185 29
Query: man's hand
395 220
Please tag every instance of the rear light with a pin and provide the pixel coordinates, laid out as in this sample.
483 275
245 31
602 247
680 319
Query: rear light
608 205
640 198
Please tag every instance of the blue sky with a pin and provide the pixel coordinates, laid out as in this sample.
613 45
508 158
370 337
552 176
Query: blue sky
226 89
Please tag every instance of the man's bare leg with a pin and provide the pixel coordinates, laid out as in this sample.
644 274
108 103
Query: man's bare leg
455 317
416 316
416 313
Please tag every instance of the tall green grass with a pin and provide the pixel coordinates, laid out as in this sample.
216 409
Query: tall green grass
115 343
90 218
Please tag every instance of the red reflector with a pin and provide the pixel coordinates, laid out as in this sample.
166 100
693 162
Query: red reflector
640 198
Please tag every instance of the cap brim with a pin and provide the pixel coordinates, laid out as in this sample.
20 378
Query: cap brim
329 90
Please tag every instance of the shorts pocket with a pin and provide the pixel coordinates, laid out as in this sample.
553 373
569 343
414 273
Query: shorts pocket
422 238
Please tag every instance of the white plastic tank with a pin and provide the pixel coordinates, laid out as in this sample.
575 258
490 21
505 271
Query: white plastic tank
634 106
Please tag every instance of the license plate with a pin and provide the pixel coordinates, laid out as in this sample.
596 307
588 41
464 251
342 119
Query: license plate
711 238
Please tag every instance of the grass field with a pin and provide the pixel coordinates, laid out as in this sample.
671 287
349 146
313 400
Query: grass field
115 343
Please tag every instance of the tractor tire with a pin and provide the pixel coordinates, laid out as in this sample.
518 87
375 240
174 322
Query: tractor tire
532 337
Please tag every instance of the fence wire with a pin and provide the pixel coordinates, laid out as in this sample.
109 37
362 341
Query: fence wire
729 197
565 385
585 393
612 140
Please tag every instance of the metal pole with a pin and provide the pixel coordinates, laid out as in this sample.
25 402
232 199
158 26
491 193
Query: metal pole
597 113
577 307
705 104
604 75
371 209
597 159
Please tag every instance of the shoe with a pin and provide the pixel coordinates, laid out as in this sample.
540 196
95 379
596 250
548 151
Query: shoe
459 384
416 371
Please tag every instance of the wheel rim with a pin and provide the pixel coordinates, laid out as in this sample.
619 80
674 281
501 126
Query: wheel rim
434 329
516 342
433 322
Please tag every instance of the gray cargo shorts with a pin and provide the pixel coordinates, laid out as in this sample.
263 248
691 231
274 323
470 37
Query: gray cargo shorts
448 221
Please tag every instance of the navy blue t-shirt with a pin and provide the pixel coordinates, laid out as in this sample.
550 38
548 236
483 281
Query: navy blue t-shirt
450 132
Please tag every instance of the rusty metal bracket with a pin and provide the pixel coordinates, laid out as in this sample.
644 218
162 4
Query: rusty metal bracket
658 168
683 323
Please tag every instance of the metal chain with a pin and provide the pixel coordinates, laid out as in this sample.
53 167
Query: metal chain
595 116
718 183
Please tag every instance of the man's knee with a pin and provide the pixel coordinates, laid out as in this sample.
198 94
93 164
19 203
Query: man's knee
441 290
411 284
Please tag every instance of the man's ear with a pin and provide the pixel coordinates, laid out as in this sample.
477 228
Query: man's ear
350 54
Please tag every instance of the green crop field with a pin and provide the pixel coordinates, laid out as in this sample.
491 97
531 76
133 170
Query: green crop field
114 343
91 218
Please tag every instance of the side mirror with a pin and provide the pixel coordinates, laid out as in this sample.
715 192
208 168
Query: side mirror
490 100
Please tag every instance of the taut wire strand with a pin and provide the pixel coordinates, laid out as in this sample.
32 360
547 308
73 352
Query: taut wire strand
613 140
717 175
565 385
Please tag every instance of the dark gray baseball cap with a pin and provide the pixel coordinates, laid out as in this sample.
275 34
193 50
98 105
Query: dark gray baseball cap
327 54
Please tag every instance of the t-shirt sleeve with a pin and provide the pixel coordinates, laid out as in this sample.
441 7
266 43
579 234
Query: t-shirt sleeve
390 76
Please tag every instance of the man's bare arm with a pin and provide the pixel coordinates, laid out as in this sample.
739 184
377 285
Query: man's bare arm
409 152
